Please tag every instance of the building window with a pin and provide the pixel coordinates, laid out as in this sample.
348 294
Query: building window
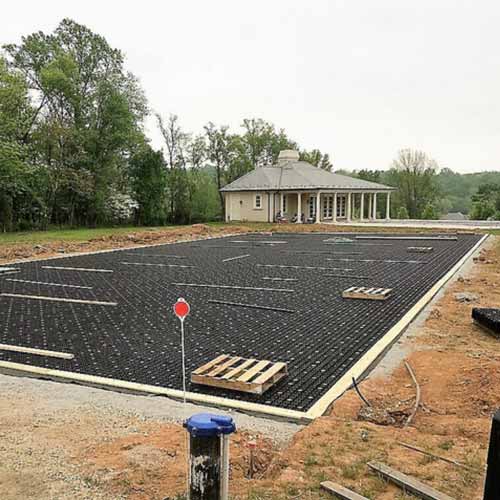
328 207
283 208
312 207
341 205
258 201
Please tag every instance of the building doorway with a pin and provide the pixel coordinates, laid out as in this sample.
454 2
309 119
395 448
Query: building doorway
341 205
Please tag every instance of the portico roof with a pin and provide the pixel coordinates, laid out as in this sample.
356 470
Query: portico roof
299 176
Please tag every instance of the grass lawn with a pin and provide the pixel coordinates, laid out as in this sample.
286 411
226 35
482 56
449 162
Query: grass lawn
84 234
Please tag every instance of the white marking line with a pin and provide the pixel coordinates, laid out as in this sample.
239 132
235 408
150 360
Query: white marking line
305 267
236 287
62 268
169 255
49 284
388 261
57 299
279 279
237 257
433 238
151 264
258 241
8 269
38 352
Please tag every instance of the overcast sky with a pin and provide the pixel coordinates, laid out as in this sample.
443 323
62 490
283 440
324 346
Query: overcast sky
356 79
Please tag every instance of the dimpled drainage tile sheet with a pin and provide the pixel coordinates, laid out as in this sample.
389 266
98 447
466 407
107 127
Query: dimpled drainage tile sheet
138 339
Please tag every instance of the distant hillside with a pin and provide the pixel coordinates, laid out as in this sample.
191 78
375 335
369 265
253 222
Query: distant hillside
457 189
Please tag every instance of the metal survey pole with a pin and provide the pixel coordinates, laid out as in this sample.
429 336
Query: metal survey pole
209 456
492 483
181 310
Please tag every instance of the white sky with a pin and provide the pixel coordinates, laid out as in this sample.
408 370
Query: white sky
357 79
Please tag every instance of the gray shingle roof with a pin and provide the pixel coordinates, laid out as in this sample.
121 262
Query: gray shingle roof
299 175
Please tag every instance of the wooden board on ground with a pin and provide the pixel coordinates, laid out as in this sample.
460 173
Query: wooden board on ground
407 483
419 249
340 492
239 374
363 292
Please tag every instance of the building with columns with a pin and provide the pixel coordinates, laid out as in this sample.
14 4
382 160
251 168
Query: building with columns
292 187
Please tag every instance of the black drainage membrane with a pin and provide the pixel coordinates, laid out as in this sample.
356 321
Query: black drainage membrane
298 316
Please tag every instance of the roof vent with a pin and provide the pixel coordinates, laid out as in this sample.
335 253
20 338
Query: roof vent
286 156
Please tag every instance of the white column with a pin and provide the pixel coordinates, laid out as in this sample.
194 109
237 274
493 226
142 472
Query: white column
349 200
299 208
388 206
281 205
374 206
334 207
362 207
318 206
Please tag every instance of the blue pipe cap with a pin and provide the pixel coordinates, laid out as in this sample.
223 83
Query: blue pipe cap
209 425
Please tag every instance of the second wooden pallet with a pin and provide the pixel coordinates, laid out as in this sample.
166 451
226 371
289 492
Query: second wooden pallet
362 292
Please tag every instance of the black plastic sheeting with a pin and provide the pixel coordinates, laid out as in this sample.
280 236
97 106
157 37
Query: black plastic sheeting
488 317
138 340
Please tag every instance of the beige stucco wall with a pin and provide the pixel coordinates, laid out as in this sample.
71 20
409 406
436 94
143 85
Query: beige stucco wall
240 206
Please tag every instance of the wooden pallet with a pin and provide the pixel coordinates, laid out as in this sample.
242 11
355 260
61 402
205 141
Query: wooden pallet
239 374
420 249
363 292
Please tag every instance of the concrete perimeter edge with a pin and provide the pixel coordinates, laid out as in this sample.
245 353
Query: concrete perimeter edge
372 355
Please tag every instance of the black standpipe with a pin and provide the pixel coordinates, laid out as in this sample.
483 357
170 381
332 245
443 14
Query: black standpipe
492 484
209 456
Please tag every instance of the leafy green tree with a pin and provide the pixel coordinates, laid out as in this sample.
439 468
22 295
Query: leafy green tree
262 142
21 182
219 152
89 112
430 212
369 175
149 184
317 158
413 173
486 202
402 213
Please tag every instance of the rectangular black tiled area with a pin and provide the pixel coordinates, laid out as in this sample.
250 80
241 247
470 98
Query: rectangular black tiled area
138 339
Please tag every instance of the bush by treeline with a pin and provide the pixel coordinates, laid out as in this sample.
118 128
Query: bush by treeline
73 150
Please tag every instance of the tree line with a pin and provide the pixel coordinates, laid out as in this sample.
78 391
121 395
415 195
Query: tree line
73 151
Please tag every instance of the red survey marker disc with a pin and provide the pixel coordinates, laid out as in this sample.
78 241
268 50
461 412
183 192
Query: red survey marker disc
181 308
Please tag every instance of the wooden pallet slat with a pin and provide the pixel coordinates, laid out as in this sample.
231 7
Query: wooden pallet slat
209 365
363 292
240 374
253 371
223 367
270 373
235 371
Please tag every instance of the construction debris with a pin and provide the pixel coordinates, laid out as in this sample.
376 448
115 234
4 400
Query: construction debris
362 292
419 249
417 398
407 483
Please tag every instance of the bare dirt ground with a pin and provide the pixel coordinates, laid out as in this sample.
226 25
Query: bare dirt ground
19 251
56 447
